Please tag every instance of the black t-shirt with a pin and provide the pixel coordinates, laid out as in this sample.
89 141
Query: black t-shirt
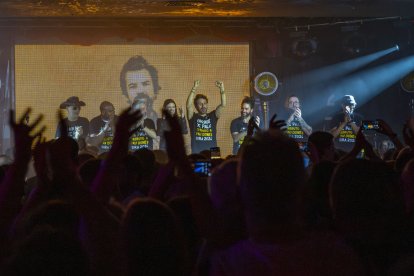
96 126
203 131
239 126
162 125
294 130
140 139
346 137
74 127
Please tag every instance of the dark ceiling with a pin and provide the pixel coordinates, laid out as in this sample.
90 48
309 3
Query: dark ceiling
204 8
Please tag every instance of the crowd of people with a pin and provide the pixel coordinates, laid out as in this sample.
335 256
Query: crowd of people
260 212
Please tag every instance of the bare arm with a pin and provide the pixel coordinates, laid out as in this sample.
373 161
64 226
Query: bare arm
12 185
223 103
237 136
97 139
335 131
190 99
150 132
305 127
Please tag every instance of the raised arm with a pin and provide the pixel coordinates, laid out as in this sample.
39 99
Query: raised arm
190 99
97 138
12 186
104 183
223 103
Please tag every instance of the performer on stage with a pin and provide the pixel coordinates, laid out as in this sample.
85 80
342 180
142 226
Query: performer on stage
297 128
144 136
102 127
162 124
203 124
77 127
345 124
238 127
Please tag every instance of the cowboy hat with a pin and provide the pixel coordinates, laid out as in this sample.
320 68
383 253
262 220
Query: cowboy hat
72 101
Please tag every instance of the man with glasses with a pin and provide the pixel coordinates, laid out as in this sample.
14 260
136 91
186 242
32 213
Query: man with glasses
77 127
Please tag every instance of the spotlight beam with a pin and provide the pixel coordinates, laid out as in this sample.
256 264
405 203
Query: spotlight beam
364 85
339 69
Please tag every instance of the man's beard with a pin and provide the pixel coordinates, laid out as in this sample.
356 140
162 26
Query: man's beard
246 116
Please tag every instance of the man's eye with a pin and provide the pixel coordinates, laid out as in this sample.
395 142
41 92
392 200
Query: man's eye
132 85
145 83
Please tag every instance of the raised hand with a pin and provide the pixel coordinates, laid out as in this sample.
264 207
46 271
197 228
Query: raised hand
220 85
196 84
180 112
257 121
277 124
298 113
252 125
125 125
22 138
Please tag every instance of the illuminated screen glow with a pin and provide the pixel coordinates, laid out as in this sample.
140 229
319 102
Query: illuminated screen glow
46 75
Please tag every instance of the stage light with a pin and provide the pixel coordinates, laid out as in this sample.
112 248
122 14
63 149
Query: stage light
369 83
397 48
304 47
328 84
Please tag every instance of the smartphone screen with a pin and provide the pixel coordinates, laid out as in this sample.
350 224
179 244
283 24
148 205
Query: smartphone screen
202 168
215 153
370 125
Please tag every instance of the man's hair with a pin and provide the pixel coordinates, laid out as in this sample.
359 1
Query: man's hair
137 63
104 104
321 140
200 96
271 175
249 101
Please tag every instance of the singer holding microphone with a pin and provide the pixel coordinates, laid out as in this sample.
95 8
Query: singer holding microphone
297 128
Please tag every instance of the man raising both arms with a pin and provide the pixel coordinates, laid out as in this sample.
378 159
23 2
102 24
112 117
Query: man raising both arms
203 124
